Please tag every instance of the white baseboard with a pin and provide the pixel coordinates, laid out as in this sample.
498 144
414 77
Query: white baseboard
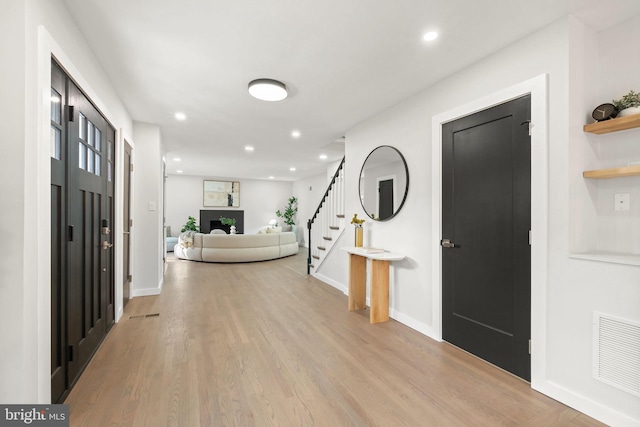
586 406
331 282
421 327
145 292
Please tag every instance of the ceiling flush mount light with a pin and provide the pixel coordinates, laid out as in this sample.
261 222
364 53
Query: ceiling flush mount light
178 171
295 134
430 36
292 169
248 148
180 116
268 90
323 157
177 159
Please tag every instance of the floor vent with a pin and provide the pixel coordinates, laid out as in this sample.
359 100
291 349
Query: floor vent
616 352
142 316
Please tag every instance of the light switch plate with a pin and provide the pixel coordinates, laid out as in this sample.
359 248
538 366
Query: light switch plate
152 206
621 201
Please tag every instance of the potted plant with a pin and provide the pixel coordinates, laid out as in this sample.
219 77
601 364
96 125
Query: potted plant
289 212
190 226
628 105
231 222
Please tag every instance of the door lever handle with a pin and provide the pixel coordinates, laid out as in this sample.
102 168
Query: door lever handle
106 244
446 243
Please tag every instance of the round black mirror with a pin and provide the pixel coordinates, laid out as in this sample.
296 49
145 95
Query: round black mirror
384 183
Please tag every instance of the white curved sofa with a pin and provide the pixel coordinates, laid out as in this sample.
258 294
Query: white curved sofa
237 247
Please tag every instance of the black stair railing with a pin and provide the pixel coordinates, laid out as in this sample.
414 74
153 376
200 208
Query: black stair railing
313 218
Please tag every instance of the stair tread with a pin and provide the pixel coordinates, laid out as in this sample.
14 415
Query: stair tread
327 238
315 256
322 248
333 227
340 215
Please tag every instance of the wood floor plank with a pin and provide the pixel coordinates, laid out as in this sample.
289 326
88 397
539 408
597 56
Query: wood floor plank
264 344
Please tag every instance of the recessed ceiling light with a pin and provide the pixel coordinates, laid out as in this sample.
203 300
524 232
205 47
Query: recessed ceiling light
268 90
179 171
271 177
323 157
295 134
430 36
180 116
248 148
292 169
177 159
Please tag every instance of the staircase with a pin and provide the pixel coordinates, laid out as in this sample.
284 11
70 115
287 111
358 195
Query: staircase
328 222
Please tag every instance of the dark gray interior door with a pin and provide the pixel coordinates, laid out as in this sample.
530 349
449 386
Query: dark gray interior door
385 198
126 225
486 269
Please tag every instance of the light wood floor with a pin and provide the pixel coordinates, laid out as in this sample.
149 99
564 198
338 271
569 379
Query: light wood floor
264 344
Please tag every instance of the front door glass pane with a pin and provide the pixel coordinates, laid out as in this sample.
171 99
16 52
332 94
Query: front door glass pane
82 156
98 140
56 107
56 136
90 132
98 159
83 127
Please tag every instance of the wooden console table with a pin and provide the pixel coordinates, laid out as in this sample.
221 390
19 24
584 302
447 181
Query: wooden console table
379 281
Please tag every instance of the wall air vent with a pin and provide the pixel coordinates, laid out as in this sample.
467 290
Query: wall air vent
616 352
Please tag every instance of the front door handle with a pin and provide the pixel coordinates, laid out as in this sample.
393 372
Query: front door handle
446 243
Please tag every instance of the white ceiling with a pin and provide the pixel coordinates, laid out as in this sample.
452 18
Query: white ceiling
342 61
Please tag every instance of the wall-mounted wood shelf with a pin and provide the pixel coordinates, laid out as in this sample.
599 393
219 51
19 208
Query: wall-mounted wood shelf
613 125
612 173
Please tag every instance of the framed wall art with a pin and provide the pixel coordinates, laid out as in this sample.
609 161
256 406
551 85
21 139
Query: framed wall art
221 193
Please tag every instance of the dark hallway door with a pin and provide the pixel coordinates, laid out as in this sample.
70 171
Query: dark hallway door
82 178
385 198
126 226
486 256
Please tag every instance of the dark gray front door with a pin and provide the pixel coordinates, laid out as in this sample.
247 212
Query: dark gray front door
486 211
82 205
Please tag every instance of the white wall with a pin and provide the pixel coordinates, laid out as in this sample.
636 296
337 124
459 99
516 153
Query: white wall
148 243
31 31
258 199
17 380
574 288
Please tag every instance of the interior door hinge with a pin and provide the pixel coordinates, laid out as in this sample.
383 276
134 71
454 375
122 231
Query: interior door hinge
130 167
529 237
529 124
70 353
529 346
70 113
131 223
